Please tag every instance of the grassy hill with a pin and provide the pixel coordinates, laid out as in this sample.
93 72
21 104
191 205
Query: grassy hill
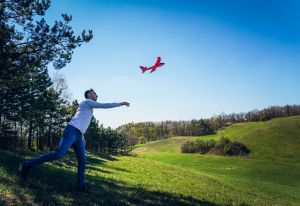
278 138
272 169
161 175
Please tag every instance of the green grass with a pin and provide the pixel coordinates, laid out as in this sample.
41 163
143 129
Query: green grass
161 175
112 181
272 170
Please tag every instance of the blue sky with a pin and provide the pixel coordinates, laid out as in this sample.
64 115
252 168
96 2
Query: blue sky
221 56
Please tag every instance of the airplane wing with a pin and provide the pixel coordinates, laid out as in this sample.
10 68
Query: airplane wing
157 61
152 70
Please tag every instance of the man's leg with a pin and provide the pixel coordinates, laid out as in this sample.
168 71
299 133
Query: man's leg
79 149
68 139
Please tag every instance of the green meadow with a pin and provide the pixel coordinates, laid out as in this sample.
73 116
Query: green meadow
159 174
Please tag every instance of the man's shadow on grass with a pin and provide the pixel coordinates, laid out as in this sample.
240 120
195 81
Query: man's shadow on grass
54 185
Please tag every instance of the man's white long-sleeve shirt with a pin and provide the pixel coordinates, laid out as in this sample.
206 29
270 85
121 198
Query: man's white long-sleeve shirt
84 113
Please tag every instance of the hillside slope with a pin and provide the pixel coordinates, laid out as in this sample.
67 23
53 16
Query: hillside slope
277 138
272 168
161 175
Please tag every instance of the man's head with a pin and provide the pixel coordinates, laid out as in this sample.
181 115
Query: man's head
90 94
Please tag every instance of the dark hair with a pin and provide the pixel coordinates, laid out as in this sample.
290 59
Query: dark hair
86 93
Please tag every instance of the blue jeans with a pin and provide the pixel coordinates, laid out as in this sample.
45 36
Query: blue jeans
71 137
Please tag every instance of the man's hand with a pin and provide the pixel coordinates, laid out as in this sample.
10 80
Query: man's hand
84 142
125 103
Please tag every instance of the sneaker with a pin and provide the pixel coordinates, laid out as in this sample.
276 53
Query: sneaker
23 170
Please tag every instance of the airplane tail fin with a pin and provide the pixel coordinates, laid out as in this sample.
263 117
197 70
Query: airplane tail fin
143 68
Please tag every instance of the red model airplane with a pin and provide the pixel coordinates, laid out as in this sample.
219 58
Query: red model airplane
154 67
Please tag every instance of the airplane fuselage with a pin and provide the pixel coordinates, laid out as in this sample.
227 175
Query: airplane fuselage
153 68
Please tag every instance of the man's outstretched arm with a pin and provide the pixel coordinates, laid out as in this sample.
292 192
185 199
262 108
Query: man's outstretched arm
94 104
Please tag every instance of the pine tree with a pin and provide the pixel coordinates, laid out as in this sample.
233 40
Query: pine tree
27 46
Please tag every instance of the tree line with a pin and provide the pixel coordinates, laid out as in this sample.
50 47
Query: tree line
142 132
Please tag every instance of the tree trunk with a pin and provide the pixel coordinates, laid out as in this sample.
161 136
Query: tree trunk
49 133
15 144
29 143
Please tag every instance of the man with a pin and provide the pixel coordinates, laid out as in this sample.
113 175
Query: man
73 136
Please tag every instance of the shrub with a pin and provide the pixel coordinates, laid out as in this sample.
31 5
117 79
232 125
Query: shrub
219 148
236 148
222 147
227 147
188 147
201 146
205 146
